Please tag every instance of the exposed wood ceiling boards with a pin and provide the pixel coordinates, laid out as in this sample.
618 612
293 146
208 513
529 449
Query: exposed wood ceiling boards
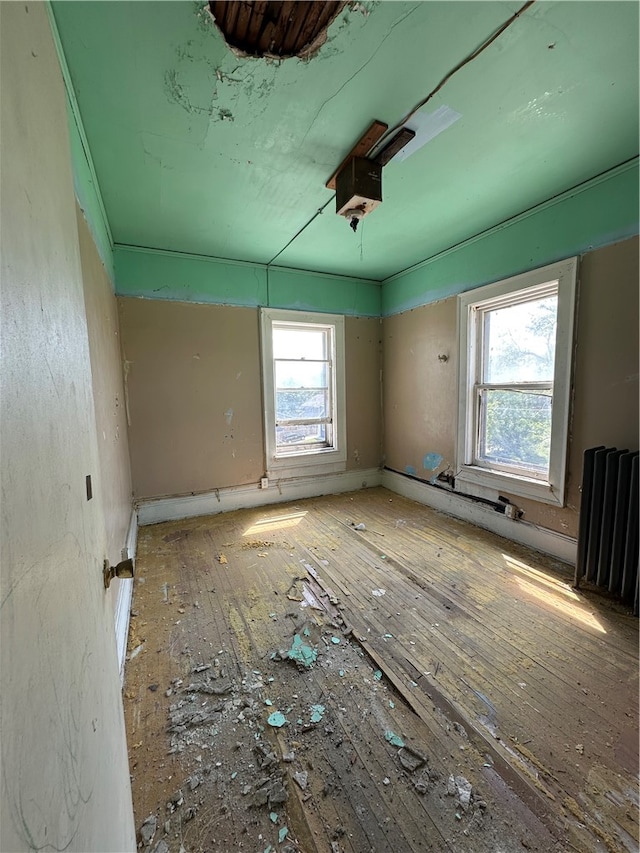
278 29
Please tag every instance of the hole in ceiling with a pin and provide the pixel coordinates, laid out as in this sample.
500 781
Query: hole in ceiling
276 30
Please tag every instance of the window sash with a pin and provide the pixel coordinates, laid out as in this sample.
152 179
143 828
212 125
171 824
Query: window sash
538 472
283 449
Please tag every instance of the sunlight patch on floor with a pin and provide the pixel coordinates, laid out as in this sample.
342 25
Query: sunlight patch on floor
277 522
553 593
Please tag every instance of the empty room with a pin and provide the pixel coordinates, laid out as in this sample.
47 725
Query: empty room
319 426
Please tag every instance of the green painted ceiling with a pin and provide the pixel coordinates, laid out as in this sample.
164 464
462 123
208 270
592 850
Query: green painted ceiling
199 151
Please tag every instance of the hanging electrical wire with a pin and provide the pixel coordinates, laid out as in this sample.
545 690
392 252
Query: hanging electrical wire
474 55
299 232
378 146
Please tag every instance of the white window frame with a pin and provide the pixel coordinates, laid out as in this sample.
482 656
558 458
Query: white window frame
482 480
324 460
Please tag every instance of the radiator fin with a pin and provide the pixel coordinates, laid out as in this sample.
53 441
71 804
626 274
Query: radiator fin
608 530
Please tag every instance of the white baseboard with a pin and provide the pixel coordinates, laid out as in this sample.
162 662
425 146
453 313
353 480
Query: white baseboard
547 541
125 593
245 497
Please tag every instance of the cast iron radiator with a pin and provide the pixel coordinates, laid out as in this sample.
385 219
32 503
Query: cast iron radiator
608 530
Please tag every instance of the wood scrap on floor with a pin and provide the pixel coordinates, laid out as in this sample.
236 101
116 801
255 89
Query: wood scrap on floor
392 723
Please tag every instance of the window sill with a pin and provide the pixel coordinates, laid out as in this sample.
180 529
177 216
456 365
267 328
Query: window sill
499 481
307 464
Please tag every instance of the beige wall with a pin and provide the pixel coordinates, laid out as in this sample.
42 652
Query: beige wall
420 391
194 395
64 777
363 355
114 480
419 388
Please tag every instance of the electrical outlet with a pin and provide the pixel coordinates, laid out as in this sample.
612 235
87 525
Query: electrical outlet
264 483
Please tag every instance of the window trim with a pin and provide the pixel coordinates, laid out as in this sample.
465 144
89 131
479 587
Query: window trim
324 460
479 479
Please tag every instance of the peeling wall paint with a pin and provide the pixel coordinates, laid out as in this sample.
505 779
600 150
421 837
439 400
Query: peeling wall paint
431 461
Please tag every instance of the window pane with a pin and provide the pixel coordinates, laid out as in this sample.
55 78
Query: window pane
301 374
301 404
299 343
309 436
519 342
515 429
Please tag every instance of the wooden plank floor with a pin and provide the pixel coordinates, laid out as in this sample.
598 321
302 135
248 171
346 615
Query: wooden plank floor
474 653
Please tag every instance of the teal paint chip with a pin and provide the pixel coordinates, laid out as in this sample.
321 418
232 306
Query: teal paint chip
277 719
301 652
283 834
273 817
394 739
336 641
377 675
317 713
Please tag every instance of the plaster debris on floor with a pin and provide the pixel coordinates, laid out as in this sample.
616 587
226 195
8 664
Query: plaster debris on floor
285 719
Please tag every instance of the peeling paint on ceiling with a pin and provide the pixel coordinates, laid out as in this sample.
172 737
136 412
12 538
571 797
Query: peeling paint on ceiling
199 151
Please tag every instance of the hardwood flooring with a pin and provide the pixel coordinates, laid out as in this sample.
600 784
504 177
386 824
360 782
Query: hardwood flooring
463 697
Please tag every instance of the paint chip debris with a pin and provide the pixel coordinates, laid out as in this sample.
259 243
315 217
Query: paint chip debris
302 779
378 592
148 829
301 652
317 713
277 719
393 738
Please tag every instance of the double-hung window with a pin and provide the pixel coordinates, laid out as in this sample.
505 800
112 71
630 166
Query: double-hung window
516 343
304 405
